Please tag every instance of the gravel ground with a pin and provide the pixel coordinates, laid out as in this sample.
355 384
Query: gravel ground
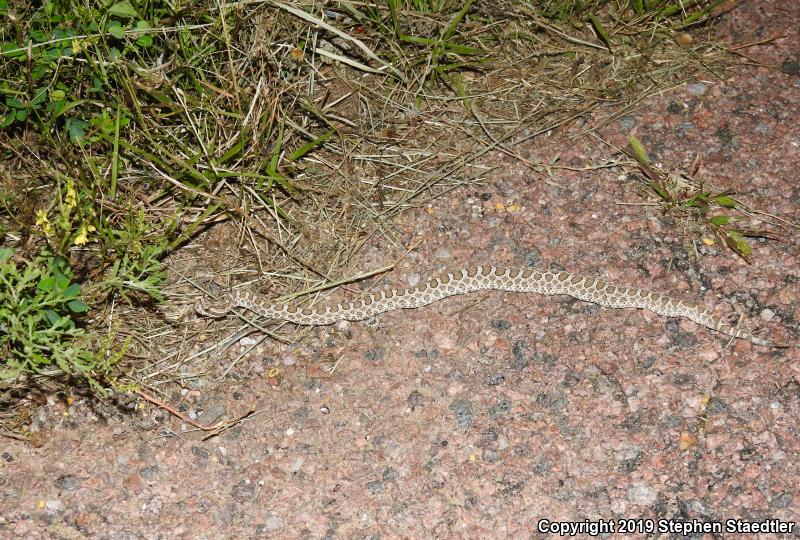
485 415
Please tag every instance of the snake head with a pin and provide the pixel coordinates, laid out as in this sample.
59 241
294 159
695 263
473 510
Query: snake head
214 310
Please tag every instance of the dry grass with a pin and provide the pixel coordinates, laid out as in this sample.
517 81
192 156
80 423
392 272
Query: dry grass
267 142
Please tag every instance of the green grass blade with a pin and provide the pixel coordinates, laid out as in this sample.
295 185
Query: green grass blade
309 146
451 28
601 31
115 159
638 151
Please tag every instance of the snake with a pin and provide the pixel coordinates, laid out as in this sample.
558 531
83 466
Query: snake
478 278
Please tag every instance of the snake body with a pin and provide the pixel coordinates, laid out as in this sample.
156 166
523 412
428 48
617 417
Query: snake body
467 280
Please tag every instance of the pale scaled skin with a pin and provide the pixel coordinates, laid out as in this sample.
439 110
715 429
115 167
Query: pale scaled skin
467 280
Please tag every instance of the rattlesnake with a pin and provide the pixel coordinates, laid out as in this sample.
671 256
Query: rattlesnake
477 278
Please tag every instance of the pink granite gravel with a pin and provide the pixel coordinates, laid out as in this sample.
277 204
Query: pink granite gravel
498 415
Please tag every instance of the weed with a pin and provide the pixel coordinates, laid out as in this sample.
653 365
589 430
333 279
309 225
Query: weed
74 220
443 55
40 310
135 257
707 210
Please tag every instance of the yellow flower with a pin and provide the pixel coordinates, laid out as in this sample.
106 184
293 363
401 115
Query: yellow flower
44 223
79 44
41 218
72 197
83 234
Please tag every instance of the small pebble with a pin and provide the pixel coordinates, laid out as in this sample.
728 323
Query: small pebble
491 456
641 495
791 67
414 399
696 89
627 123
464 411
273 522
297 464
502 442
375 487
495 378
763 128
443 253
289 360
53 506
67 482
373 355
200 452
243 491
500 324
